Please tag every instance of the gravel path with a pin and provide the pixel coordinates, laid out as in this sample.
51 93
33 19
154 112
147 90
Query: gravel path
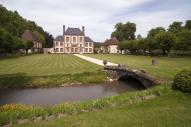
93 60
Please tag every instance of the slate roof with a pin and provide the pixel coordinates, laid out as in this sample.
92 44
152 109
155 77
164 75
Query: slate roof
59 38
74 31
112 41
88 39
29 35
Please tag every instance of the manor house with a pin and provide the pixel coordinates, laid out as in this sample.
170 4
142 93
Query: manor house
73 40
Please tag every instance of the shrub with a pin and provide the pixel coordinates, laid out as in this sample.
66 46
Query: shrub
182 80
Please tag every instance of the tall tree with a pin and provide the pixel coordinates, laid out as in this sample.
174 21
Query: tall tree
166 41
124 31
153 32
28 45
188 24
175 27
183 41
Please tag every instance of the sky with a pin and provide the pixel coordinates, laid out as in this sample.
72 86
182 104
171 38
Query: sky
100 16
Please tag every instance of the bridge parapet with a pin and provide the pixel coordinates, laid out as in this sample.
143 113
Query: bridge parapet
118 72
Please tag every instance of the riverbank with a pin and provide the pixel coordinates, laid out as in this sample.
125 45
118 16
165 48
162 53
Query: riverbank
24 81
169 110
17 113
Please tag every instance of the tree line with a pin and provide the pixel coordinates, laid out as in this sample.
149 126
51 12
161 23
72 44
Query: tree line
12 26
176 39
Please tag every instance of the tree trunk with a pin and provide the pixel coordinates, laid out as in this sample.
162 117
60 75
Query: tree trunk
26 51
164 52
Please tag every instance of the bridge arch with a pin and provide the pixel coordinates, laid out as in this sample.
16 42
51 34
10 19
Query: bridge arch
121 73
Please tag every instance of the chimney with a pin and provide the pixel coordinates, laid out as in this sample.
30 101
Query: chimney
83 29
63 29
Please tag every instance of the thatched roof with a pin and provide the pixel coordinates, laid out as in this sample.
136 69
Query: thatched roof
29 35
112 41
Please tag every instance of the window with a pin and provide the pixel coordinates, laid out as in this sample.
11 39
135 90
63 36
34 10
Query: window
56 43
86 44
74 39
67 39
80 45
61 44
81 39
90 44
61 49
86 49
67 45
90 49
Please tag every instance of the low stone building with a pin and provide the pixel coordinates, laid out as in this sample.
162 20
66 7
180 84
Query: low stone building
110 45
30 36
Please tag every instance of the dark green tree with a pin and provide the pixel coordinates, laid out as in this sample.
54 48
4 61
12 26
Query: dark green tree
153 32
188 24
124 31
27 45
183 41
166 40
175 27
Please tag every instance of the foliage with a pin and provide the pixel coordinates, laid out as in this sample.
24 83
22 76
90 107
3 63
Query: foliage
175 27
40 37
166 41
124 31
182 80
175 40
153 32
15 25
183 41
188 24
9 42
27 44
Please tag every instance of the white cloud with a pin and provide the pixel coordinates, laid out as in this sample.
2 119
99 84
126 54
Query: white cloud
99 16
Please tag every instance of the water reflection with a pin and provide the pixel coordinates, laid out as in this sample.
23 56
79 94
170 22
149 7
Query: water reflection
50 96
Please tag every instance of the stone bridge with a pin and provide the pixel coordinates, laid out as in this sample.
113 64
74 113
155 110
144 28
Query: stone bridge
121 72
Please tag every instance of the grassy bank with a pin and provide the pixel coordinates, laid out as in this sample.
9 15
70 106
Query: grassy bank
166 67
24 81
12 113
47 70
170 110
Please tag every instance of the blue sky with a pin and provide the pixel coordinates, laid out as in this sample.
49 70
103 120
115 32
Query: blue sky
100 16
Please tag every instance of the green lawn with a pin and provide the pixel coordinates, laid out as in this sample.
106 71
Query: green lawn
45 65
172 110
166 67
47 70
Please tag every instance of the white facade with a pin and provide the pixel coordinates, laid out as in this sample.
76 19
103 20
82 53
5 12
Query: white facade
73 43
112 49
